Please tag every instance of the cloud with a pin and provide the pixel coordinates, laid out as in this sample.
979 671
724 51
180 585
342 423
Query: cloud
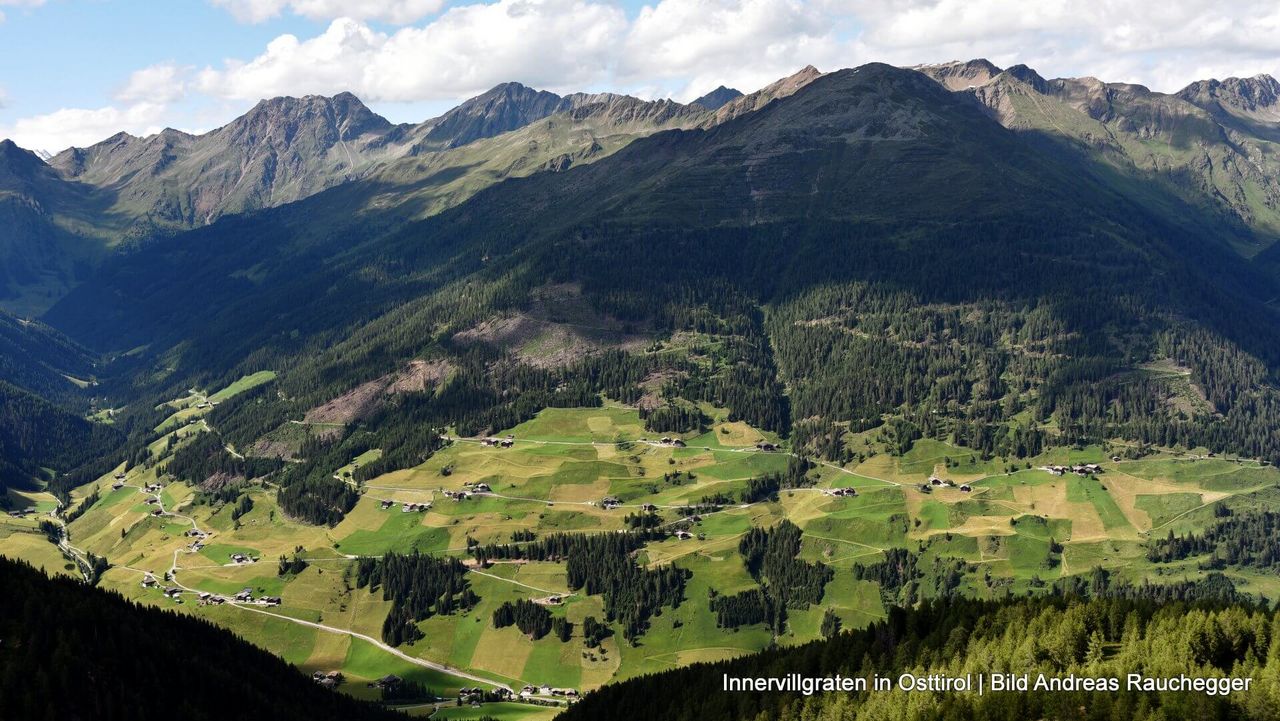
466 50
81 127
1120 40
398 12
4 98
680 48
742 43
163 83
19 3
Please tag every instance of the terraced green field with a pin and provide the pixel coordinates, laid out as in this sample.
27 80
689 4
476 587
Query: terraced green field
562 463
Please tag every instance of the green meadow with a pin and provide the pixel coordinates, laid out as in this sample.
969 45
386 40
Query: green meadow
1014 528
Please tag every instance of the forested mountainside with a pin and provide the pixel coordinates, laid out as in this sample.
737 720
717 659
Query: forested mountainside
1212 144
873 244
75 652
68 215
36 435
1103 637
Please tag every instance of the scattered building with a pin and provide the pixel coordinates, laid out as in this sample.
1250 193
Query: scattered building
965 488
767 446
328 679
683 535
609 502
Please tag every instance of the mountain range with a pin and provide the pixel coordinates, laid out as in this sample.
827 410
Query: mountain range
891 275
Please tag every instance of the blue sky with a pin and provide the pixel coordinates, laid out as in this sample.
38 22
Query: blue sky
75 71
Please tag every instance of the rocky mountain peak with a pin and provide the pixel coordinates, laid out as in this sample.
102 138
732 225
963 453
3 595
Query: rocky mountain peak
505 107
777 89
329 119
718 97
1257 97
961 74
1028 76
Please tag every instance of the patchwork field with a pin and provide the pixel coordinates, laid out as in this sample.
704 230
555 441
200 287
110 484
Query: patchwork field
560 467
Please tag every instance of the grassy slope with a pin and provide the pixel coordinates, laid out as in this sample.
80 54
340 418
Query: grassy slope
564 460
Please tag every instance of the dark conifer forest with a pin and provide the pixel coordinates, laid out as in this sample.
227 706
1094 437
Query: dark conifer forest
74 652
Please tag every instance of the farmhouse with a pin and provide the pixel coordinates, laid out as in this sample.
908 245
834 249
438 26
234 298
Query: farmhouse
173 592
117 485
157 512
965 488
119 476
148 581
935 481
842 492
245 595
506 443
649 508
610 502
683 535
269 600
389 681
387 504
239 558
766 446
489 442
482 488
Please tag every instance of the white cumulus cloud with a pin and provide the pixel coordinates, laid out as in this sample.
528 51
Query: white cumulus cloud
80 127
740 43
399 12
163 83
432 54
468 49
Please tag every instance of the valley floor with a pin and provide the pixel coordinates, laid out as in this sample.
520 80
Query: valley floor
554 478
